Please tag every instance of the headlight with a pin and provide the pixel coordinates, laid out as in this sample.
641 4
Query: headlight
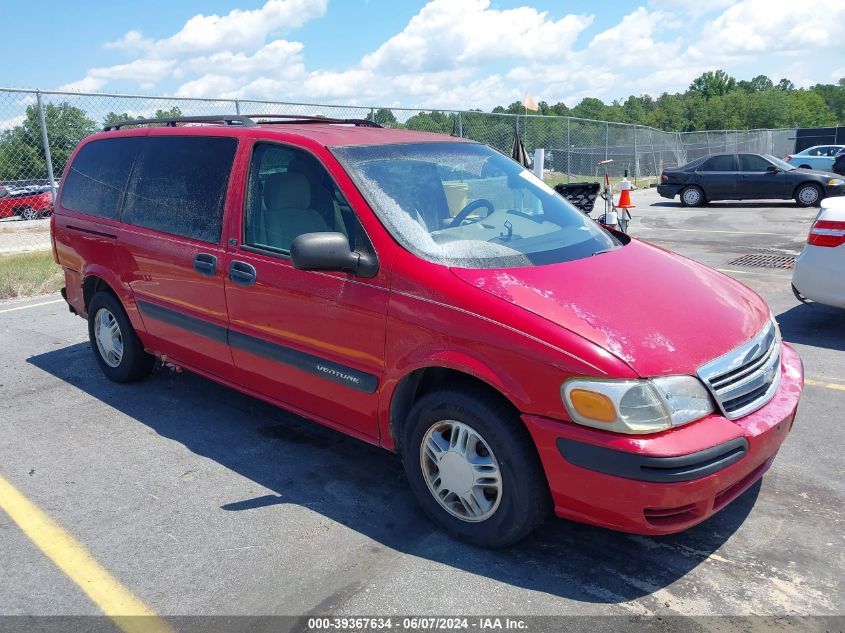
835 182
636 406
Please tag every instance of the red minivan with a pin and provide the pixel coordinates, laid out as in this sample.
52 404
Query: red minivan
428 294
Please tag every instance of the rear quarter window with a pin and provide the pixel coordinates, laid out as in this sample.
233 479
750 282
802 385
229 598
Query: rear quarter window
97 177
179 185
724 162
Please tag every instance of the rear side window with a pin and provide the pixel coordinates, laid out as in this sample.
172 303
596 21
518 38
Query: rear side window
725 162
97 178
179 185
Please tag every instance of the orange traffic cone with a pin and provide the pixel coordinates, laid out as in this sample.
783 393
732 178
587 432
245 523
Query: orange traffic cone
625 200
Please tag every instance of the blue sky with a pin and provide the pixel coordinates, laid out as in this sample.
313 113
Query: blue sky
439 53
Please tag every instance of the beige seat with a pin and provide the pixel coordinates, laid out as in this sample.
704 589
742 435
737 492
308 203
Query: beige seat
287 210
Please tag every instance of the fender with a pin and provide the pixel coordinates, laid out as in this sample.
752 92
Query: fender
121 288
463 360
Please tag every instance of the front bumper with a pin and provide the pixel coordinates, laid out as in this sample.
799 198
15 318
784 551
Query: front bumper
832 191
669 191
670 481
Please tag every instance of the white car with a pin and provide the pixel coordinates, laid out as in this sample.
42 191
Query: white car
819 273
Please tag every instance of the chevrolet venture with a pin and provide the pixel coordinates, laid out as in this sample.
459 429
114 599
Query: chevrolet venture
427 294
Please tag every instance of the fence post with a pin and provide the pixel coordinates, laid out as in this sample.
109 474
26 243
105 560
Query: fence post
606 138
653 155
568 152
42 119
237 107
460 126
636 157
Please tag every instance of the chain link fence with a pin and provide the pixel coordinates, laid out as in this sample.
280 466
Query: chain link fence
39 130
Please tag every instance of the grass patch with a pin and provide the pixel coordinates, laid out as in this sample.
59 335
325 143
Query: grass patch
28 274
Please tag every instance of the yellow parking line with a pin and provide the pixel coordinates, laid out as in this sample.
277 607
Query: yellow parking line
31 305
112 598
826 385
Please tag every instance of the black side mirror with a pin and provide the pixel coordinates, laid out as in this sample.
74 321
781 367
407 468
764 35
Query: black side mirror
773 169
330 251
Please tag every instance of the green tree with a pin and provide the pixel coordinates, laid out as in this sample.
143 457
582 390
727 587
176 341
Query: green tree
785 84
116 117
173 113
713 84
21 149
384 116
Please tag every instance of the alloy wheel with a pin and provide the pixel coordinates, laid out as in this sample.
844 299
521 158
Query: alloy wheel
461 471
28 213
109 337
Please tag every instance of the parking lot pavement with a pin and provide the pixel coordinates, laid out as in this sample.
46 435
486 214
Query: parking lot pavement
200 500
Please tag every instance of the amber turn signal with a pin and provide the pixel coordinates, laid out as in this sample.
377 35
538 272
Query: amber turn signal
592 405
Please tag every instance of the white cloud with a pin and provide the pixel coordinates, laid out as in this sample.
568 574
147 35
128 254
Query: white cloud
12 122
142 71
223 39
131 41
237 30
753 27
452 33
465 53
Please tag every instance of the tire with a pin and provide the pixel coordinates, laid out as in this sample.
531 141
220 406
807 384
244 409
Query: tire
127 363
692 196
514 495
28 213
799 296
808 195
804 167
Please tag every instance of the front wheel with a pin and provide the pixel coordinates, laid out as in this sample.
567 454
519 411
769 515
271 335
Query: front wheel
474 468
692 196
28 213
808 195
116 346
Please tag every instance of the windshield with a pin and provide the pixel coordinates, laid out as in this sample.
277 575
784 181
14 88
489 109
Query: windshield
466 205
780 163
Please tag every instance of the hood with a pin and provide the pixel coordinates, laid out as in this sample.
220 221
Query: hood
657 311
821 173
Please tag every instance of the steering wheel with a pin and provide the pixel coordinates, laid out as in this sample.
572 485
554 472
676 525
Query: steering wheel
462 215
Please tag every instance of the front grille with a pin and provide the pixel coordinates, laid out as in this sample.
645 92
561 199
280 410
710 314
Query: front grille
745 379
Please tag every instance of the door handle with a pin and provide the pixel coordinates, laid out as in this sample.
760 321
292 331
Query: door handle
242 273
205 264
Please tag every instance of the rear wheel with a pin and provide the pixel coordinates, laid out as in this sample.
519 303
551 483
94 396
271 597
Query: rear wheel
474 468
116 346
692 196
808 195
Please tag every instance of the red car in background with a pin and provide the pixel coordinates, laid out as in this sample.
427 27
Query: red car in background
29 203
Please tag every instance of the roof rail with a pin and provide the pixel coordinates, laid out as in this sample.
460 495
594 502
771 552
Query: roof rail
225 119
296 118
239 120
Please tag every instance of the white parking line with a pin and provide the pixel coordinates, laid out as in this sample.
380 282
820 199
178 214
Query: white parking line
748 272
31 305
660 228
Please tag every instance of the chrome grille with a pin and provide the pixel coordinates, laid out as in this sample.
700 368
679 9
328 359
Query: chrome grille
745 379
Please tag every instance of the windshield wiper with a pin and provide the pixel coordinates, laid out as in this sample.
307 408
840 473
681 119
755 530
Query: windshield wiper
606 250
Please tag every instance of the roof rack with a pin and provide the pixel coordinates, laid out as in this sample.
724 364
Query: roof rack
296 118
238 120
225 119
